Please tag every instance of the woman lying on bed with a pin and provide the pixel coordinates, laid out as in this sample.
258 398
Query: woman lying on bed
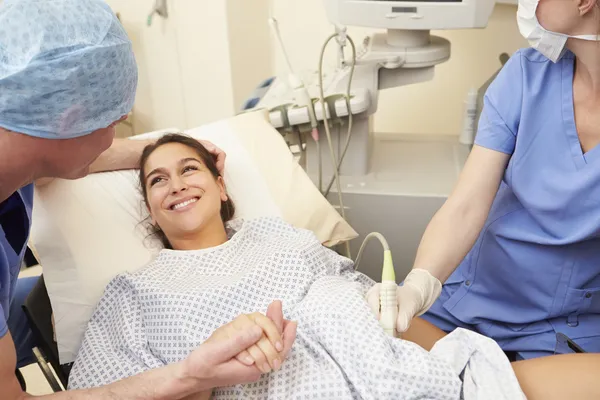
214 269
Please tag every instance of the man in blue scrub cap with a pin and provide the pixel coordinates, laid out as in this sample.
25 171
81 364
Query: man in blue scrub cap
67 76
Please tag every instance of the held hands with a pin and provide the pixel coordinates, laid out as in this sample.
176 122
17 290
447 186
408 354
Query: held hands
419 291
273 347
242 350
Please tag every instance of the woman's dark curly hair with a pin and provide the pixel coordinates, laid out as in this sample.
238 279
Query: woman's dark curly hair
227 207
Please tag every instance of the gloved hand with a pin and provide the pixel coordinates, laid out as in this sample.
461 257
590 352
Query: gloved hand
418 292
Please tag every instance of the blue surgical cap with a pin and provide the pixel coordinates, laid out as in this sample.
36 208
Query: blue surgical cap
66 67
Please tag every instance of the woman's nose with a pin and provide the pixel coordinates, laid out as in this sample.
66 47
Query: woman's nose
178 185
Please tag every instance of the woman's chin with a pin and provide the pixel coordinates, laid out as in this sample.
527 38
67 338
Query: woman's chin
190 229
191 224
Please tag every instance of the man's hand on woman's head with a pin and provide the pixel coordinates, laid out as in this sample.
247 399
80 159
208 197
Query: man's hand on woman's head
217 152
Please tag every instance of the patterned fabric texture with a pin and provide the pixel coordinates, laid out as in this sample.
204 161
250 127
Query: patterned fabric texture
158 315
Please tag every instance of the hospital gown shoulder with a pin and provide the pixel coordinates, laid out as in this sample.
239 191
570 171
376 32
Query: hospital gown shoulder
283 237
268 237
306 246
276 229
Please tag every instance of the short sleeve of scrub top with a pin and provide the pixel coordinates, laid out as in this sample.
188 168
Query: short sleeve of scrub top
498 123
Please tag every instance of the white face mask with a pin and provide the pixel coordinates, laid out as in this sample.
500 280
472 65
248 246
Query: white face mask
550 44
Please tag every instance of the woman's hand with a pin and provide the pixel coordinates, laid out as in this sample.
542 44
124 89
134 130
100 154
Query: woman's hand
214 363
273 347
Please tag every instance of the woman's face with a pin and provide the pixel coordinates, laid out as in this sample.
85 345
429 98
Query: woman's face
562 16
183 195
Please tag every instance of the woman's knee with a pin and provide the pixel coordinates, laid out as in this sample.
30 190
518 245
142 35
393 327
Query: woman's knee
563 376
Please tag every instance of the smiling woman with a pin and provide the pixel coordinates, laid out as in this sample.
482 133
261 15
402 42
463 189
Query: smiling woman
184 193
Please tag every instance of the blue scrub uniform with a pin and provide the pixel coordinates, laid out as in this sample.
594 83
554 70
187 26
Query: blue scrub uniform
15 217
535 268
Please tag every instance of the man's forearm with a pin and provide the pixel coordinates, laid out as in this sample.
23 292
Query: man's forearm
123 154
166 383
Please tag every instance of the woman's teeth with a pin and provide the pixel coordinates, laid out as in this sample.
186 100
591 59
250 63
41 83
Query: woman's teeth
185 203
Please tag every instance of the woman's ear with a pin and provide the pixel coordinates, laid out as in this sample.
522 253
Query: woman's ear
585 6
152 220
222 188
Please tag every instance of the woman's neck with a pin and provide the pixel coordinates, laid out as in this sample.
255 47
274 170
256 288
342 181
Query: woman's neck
211 235
587 65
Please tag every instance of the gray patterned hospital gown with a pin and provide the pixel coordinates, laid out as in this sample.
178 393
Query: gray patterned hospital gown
159 314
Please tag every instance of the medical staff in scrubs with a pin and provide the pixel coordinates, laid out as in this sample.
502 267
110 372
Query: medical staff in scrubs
67 76
517 244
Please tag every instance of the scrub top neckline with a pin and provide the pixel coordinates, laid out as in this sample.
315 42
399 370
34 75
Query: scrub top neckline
580 158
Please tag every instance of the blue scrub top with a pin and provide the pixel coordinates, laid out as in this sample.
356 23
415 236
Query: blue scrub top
538 256
15 222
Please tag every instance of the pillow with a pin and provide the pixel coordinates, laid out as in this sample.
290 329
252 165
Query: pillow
87 231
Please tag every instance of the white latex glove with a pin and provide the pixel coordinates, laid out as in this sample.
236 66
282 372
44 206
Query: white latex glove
419 291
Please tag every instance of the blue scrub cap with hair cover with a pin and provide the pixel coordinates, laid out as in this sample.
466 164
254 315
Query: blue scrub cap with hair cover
66 67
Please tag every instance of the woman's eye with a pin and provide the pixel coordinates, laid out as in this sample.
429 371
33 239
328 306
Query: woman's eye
154 181
189 168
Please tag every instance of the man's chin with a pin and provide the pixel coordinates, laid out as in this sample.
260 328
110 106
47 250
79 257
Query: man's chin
81 173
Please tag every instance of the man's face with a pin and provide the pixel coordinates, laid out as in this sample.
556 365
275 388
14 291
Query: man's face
71 158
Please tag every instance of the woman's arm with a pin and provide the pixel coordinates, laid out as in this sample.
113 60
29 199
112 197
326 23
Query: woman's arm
449 236
455 227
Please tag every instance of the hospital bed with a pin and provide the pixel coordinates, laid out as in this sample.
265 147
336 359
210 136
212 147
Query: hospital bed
87 231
